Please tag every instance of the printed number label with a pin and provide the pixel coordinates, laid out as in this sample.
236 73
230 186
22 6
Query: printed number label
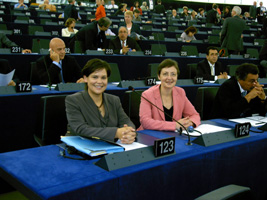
242 129
164 146
150 81
24 87
148 52
15 50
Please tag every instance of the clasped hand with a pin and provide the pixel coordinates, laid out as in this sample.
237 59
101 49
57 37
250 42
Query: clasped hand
126 134
257 91
186 122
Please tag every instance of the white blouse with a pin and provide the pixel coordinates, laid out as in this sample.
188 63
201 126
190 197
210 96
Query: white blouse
65 32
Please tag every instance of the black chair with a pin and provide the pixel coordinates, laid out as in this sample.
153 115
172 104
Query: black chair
78 46
131 104
153 70
33 29
231 69
158 49
191 70
229 192
38 44
189 50
34 78
52 120
158 36
115 75
204 101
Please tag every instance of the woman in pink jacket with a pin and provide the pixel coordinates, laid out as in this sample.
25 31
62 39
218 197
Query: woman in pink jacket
169 98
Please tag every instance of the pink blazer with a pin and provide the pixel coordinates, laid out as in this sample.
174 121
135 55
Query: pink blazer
154 119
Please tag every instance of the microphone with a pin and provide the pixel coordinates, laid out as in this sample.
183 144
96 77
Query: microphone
49 78
187 131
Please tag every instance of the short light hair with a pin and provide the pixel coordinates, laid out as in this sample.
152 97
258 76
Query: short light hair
128 12
69 22
237 10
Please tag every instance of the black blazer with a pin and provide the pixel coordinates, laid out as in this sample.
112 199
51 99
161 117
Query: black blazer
263 51
70 12
115 44
203 69
212 17
90 37
70 67
230 104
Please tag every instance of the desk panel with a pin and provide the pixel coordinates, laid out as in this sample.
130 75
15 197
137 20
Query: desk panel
191 172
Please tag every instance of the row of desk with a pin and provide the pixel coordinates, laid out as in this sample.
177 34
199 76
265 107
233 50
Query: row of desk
40 173
130 67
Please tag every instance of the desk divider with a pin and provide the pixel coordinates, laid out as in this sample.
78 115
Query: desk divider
7 90
70 86
217 138
128 158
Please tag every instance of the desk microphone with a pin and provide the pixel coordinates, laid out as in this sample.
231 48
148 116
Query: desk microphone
187 131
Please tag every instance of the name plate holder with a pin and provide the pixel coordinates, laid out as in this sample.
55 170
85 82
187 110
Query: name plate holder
5 90
217 138
70 86
128 158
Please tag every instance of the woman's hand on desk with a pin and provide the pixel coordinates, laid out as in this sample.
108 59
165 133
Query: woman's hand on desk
126 134
186 122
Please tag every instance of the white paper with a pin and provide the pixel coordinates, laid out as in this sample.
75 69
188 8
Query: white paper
254 121
206 129
134 145
6 78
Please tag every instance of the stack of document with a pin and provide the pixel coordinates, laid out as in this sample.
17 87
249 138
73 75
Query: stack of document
91 147
254 120
206 129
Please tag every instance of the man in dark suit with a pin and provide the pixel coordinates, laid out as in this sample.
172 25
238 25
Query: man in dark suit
253 10
231 35
6 43
92 36
122 44
56 67
212 15
70 11
159 8
210 68
241 95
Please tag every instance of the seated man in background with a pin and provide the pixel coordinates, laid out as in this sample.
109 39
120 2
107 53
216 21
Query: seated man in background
56 67
5 69
241 95
20 5
6 43
122 44
93 35
210 68
47 6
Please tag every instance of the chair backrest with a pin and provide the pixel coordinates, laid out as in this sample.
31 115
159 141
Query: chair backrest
158 49
231 69
42 33
43 21
253 53
131 104
191 70
136 53
213 39
147 27
78 46
33 29
172 28
3 27
115 75
258 41
190 50
38 44
153 70
52 121
204 101
158 36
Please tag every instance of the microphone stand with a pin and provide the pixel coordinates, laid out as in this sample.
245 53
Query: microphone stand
189 143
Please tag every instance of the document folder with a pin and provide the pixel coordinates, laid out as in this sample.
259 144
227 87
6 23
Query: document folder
92 147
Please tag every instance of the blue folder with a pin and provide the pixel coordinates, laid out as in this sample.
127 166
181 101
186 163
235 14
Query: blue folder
91 147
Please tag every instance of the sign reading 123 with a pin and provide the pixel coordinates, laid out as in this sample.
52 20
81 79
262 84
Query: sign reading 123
164 147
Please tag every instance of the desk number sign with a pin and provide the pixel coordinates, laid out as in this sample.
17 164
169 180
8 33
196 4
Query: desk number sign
164 146
150 81
23 87
242 130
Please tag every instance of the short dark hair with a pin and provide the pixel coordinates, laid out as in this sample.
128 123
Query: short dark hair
168 63
214 6
243 70
104 21
200 9
190 29
94 65
121 6
211 48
